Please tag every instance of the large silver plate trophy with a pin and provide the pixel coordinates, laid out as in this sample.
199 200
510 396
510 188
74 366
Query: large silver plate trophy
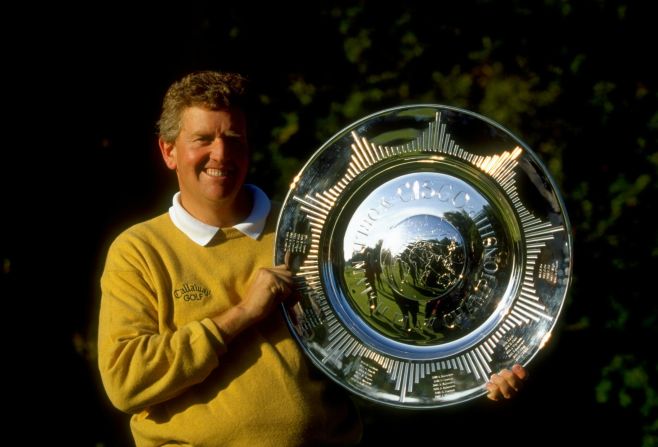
430 248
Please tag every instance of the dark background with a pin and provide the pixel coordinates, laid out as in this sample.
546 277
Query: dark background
80 163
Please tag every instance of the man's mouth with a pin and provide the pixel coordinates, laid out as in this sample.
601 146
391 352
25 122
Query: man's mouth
214 172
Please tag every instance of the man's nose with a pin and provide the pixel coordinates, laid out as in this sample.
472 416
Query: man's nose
218 148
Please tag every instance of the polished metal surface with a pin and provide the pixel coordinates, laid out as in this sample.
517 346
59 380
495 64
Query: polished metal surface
430 248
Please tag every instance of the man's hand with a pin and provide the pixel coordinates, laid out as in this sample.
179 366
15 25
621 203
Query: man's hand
506 383
269 287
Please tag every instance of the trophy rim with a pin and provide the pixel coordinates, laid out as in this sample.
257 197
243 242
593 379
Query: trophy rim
528 152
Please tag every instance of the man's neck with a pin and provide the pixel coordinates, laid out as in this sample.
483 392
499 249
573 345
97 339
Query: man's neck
225 214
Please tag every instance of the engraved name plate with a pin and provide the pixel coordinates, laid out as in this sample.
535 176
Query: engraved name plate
430 248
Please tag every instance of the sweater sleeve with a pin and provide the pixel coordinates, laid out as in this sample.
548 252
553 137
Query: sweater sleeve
140 364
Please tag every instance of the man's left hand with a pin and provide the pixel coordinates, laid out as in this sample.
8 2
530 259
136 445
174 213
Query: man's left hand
506 383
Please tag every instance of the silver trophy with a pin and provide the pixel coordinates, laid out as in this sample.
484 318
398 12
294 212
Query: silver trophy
430 248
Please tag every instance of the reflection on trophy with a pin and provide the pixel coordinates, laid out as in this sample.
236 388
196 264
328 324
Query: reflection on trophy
430 248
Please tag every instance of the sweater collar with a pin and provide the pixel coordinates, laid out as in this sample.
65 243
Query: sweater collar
202 233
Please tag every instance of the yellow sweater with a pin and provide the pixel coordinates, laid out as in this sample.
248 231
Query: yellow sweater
163 359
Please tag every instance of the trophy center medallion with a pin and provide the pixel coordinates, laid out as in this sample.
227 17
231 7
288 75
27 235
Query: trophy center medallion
417 252
423 257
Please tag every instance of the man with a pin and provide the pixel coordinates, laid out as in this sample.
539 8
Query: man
188 339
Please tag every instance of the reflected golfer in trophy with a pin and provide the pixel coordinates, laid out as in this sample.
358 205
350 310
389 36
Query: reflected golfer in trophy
430 248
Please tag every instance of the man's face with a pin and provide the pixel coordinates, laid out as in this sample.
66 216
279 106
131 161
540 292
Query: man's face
210 156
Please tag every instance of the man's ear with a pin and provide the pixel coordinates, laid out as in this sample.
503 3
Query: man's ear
168 151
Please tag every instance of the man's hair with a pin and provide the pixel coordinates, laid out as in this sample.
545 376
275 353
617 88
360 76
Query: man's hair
210 89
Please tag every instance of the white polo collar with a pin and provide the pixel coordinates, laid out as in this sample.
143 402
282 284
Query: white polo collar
202 233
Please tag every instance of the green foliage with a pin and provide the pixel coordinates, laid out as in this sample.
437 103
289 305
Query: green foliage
630 383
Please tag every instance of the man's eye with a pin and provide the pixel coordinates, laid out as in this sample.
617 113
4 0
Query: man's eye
204 139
